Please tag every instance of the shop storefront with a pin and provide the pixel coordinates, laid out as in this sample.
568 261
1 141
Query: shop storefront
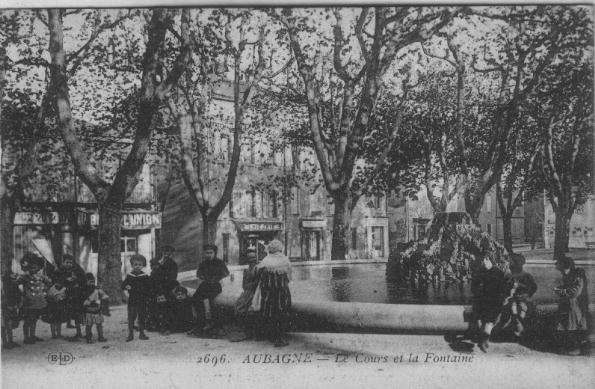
255 236
74 232
312 238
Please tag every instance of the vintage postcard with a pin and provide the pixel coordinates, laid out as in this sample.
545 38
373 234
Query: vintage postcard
338 195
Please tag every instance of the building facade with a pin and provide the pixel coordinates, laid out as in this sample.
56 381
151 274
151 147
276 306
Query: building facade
582 224
258 212
68 224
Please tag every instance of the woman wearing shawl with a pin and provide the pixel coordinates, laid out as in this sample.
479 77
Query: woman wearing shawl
275 299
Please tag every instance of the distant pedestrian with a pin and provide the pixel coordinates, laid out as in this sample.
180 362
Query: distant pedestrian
137 289
274 303
210 271
490 287
11 304
242 308
94 299
573 311
35 286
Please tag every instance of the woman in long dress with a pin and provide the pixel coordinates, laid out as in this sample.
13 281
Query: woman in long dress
573 311
274 273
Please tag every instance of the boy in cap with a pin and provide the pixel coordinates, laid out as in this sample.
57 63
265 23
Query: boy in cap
210 271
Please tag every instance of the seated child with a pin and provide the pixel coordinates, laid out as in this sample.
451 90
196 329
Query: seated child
35 287
56 310
181 315
523 288
137 289
93 312
11 303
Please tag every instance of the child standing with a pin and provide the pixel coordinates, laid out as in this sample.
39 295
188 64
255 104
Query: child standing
93 316
137 287
34 286
57 313
11 302
72 276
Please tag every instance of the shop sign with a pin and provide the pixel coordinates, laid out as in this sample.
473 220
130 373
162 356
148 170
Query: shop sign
134 221
40 218
260 226
313 223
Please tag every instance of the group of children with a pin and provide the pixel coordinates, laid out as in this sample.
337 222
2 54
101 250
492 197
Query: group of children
68 294
502 300
155 301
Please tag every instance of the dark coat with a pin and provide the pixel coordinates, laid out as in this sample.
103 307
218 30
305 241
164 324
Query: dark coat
181 318
490 288
165 276
573 310
75 282
210 272
139 288
249 284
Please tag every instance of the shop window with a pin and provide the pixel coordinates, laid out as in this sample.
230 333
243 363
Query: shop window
378 240
128 244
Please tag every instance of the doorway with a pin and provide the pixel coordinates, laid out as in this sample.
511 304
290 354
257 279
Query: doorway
310 245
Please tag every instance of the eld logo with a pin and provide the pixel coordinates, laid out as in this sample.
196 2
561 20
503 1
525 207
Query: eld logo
60 358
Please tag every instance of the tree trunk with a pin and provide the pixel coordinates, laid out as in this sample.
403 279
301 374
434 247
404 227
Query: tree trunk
209 229
507 230
341 222
209 233
562 233
109 258
7 213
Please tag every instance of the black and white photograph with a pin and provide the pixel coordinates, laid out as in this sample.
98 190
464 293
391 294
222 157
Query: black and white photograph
297 195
